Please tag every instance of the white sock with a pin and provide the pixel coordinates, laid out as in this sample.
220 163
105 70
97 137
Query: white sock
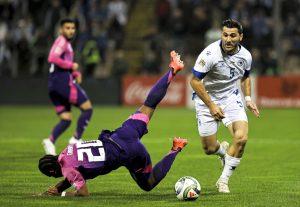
221 151
230 164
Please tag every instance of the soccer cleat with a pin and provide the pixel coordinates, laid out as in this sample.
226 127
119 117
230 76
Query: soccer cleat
224 145
175 62
222 186
179 143
48 147
73 140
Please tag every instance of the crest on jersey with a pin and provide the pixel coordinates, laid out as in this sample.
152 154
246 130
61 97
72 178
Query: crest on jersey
240 63
202 63
208 53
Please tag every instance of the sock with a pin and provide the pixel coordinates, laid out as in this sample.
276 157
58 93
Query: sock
221 151
59 129
159 90
161 169
230 164
82 122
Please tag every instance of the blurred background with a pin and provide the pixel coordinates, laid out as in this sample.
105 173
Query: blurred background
119 42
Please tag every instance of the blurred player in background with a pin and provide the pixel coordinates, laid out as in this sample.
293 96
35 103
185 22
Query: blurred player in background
217 97
64 90
113 149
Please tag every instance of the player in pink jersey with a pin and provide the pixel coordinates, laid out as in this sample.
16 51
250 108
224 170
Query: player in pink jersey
63 86
113 149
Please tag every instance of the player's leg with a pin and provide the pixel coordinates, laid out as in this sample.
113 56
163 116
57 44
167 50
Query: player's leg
159 90
86 109
239 131
63 110
208 127
212 146
147 178
237 124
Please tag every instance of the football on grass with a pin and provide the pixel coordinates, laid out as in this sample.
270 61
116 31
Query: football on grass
187 188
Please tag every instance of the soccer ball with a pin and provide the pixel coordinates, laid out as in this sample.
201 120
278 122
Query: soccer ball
187 188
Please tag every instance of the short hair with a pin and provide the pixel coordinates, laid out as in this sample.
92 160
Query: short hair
66 20
231 23
48 165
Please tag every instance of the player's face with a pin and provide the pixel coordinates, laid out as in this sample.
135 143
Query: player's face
68 30
230 39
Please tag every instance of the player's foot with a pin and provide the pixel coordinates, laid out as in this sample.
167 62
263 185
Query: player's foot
179 143
175 62
222 186
73 140
224 145
48 147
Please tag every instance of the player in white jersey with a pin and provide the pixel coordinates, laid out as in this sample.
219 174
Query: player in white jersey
217 97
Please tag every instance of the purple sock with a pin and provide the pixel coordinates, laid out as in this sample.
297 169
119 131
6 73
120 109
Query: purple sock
159 90
161 169
82 122
59 129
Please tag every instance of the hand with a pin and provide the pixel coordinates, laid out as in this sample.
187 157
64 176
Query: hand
78 77
75 66
252 107
52 191
216 111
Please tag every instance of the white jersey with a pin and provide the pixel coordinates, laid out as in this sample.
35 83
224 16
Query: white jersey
222 70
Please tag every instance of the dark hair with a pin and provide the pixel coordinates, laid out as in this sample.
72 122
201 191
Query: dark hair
67 20
231 23
48 165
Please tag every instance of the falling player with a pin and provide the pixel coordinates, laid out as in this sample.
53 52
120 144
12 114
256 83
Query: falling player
63 87
217 97
122 147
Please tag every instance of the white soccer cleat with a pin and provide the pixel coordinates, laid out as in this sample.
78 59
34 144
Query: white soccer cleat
49 147
222 186
73 140
224 145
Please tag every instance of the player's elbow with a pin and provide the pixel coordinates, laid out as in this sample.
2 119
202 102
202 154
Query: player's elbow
52 59
194 81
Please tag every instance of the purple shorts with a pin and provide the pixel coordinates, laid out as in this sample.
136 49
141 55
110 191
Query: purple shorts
63 94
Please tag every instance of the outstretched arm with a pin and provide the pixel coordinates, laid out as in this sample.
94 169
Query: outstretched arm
58 190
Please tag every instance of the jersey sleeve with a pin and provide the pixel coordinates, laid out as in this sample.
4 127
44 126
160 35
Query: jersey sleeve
203 64
248 65
74 177
56 51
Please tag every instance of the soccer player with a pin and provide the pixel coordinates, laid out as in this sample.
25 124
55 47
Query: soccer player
217 97
64 90
122 147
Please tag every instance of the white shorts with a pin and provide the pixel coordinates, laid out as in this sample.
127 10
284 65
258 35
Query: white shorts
233 108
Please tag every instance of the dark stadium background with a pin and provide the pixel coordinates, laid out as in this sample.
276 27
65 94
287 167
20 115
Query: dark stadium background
136 40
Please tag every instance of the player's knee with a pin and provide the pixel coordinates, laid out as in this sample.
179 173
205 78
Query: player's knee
86 106
66 116
146 186
241 139
209 150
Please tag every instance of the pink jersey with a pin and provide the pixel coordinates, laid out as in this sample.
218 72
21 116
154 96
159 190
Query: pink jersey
61 53
85 155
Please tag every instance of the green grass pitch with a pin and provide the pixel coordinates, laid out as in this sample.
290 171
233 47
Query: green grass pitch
269 174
